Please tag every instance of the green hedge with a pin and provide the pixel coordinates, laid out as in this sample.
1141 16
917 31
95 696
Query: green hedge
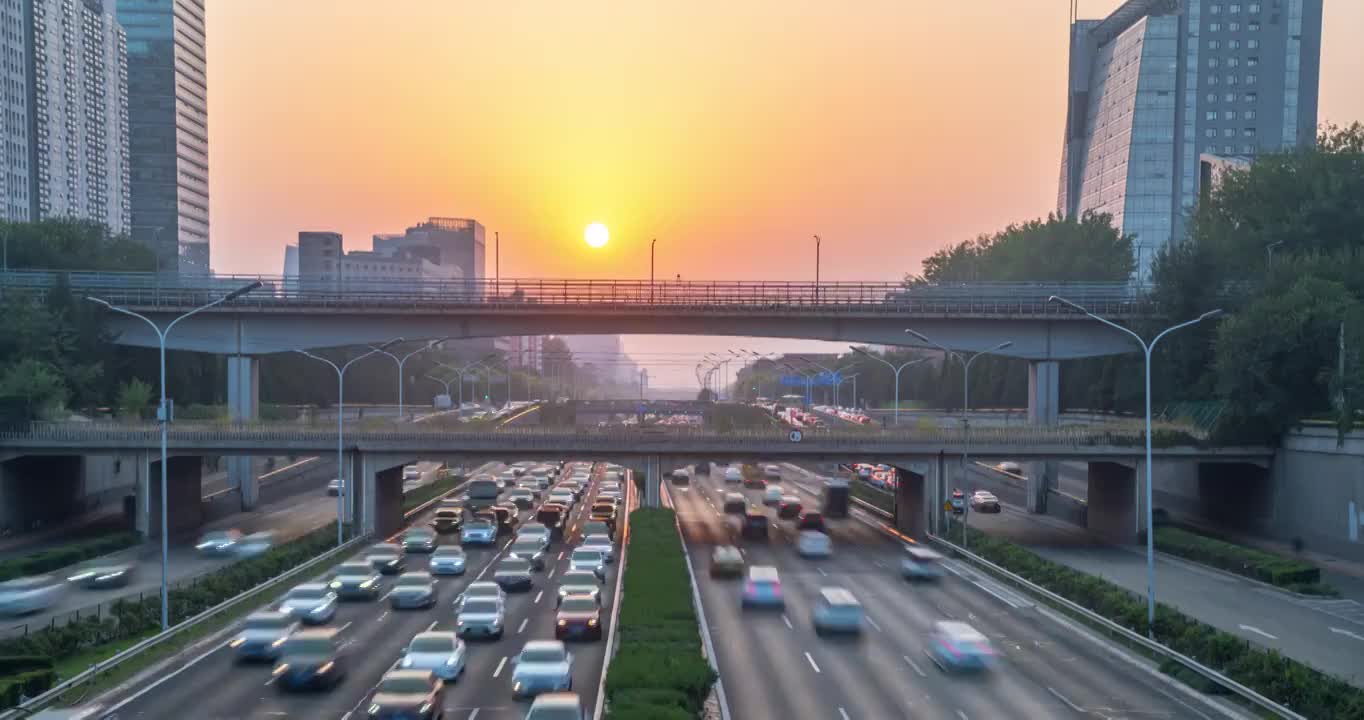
137 618
871 495
429 491
66 555
1247 561
1283 680
659 671
15 688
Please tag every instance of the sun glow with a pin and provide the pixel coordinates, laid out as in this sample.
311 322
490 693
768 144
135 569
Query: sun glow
597 235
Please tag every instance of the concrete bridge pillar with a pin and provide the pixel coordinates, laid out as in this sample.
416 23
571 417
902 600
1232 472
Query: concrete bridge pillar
1041 477
653 478
1044 392
377 486
243 405
1114 502
911 504
184 511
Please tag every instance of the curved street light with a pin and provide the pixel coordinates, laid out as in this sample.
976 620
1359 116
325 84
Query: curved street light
893 368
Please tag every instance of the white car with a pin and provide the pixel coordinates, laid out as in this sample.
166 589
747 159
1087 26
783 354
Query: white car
254 544
534 530
601 544
412 472
589 560
1010 466
772 496
543 666
442 653
814 544
733 475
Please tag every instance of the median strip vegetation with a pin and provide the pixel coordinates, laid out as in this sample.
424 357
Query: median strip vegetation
1283 680
1266 567
100 635
432 490
66 555
659 671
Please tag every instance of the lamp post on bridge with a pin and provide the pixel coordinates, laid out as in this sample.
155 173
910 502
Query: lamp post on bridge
403 361
965 409
833 374
163 419
895 369
1146 348
444 383
343 488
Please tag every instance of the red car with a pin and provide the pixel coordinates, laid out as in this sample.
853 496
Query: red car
788 508
810 520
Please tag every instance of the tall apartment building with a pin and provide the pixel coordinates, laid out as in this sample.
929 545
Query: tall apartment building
168 117
65 112
1158 83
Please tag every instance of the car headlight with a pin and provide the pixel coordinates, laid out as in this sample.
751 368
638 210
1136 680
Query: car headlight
80 576
236 642
407 662
591 622
325 667
318 610
460 622
280 669
278 642
335 584
374 709
425 708
517 687
367 583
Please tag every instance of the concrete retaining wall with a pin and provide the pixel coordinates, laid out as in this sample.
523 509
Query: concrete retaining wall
1318 492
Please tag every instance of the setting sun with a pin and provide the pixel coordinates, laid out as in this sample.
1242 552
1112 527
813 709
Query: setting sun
597 235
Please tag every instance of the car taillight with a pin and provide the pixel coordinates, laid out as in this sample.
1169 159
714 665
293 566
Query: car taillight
750 588
776 590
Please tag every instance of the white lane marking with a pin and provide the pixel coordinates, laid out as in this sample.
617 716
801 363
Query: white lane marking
385 595
551 573
500 664
1065 700
271 680
873 624
343 627
787 620
538 596
561 555
1347 633
382 615
843 714
474 714
432 626
962 715
1257 631
812 661
522 627
914 665
821 572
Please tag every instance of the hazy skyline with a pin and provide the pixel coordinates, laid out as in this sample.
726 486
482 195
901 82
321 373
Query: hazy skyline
729 132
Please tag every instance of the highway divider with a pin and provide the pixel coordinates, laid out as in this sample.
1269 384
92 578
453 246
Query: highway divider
659 672
1253 563
1224 664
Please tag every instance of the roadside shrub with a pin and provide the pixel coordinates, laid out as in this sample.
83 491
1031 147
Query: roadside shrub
65 555
430 491
13 664
1239 559
28 684
879 498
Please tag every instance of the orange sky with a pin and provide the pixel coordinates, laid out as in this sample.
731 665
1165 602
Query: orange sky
729 131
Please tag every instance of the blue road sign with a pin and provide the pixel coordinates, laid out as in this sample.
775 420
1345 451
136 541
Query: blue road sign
824 379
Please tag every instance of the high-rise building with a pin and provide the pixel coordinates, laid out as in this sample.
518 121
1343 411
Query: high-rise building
168 117
444 241
1158 83
323 262
65 120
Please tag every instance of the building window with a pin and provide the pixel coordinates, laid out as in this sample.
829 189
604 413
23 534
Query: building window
1215 10
1212 79
1252 44
1251 97
1247 150
1234 27
1210 132
1212 62
1210 115
1251 79
1228 132
1232 62
1233 44
1213 44
1248 132
1235 8
1229 115
1253 26
1249 114
1253 8
1252 62
1211 97
1229 97
1206 149
1214 27
1228 149
1231 79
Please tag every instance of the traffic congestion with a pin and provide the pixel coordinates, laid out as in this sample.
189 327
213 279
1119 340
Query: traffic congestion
482 607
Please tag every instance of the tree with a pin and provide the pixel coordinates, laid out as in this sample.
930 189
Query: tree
36 384
1055 249
706 395
133 398
65 244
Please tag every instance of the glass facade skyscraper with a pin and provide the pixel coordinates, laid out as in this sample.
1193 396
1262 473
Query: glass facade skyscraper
168 118
1158 83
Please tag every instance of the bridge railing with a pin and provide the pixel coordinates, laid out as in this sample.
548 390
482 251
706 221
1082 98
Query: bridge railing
168 290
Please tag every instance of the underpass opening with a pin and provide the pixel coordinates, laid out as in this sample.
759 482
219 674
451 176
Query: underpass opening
1113 507
38 491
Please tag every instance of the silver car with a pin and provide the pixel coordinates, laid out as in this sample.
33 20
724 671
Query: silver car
413 590
442 653
479 532
448 560
481 589
589 560
579 582
529 549
29 595
263 634
602 544
534 530
543 666
254 544
310 603
480 617
221 542
101 575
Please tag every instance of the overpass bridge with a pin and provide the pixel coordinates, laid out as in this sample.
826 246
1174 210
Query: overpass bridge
929 458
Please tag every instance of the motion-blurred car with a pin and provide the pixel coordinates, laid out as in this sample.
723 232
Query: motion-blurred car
480 617
589 560
449 520
789 508
733 475
219 542
408 695
552 516
958 502
563 497
814 544
810 520
772 496
920 563
602 544
311 659
598 527
448 560
522 498
254 544
311 603
557 706
334 487
415 589
754 525
538 532
479 532
420 540
983 501
387 558
440 653
22 596
754 482
356 580
735 504
514 574
763 588
262 635
543 666
412 472
579 617
528 549
772 473
957 646
102 574
579 582
726 561
1011 467
681 477
836 611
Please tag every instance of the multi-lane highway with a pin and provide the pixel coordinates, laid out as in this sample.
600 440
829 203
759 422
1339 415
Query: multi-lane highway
213 686
773 665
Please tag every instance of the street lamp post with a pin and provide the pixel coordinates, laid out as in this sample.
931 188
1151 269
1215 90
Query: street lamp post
833 374
897 370
403 361
817 243
163 419
444 383
1146 348
652 243
965 410
343 488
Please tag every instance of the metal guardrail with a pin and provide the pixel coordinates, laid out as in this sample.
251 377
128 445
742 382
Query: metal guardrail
1245 693
33 704
153 290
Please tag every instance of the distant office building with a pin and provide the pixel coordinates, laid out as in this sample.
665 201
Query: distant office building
606 352
443 241
291 268
65 119
1213 168
323 263
168 119
1158 83
525 351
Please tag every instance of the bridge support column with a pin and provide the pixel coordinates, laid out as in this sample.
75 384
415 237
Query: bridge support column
184 511
653 478
142 512
1114 502
243 404
911 505
1044 392
1041 478
378 489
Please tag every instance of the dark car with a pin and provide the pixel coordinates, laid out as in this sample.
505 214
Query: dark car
754 482
735 504
408 695
579 618
356 581
789 508
810 520
513 574
387 558
449 520
755 526
522 498
420 540
310 660
552 516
